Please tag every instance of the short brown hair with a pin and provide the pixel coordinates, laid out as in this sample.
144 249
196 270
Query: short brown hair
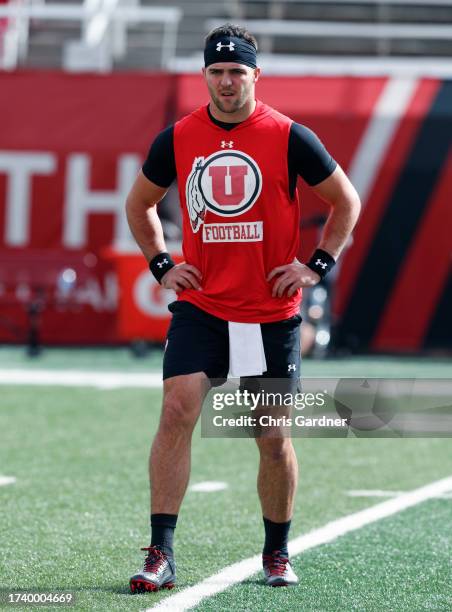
230 29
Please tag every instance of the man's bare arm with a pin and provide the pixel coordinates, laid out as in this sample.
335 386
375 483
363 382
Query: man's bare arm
147 230
142 216
339 193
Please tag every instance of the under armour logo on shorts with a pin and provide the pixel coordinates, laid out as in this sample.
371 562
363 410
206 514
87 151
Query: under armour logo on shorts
230 46
291 367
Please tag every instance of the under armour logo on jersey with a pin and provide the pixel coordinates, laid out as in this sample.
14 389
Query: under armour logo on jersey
291 367
162 263
319 262
230 46
228 144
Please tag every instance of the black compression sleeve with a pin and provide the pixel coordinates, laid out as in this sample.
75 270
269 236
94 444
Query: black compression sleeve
308 157
160 164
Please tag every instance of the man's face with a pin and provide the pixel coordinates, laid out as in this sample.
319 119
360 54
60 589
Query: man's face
230 85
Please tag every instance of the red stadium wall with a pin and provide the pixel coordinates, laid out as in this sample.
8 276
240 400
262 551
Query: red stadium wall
70 146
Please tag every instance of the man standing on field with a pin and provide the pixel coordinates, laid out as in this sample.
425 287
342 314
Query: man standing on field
236 161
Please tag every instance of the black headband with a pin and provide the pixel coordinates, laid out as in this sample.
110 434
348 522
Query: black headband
230 49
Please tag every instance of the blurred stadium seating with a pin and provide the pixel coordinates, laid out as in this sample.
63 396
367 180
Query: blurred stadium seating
125 34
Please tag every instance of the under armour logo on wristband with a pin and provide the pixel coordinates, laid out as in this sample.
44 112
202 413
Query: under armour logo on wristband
321 262
230 46
160 265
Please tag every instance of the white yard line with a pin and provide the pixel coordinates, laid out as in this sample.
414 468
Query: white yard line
233 574
208 486
6 480
380 493
153 380
80 378
373 493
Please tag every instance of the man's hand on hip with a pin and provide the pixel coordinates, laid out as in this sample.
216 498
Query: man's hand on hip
291 277
182 276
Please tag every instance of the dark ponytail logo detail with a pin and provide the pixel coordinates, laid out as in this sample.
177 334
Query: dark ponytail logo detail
195 202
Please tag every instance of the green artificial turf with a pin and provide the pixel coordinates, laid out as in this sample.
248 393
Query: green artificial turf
78 513
402 563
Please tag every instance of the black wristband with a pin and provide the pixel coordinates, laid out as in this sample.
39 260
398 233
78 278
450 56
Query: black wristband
321 262
160 265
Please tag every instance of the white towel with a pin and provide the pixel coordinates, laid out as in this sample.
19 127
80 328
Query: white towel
246 350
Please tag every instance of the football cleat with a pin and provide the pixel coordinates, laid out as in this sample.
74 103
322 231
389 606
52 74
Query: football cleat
159 572
278 570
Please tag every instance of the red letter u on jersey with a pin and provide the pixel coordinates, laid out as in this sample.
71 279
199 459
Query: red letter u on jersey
237 176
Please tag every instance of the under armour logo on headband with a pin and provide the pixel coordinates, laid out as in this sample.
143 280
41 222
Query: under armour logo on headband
230 46
230 49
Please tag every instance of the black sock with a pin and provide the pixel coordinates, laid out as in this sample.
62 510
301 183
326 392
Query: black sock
162 532
276 536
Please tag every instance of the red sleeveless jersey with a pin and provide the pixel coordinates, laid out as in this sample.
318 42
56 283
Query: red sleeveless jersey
239 221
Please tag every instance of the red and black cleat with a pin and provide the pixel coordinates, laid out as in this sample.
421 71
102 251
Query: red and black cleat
159 572
278 570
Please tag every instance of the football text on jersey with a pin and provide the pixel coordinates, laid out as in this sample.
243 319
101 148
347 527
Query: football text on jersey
233 232
226 183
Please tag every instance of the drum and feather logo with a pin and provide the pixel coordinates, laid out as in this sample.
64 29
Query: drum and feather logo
227 183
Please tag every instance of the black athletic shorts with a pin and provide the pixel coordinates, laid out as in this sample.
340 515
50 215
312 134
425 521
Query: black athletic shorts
199 342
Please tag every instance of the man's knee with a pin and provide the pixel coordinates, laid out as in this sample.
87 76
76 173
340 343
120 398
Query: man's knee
177 415
274 449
